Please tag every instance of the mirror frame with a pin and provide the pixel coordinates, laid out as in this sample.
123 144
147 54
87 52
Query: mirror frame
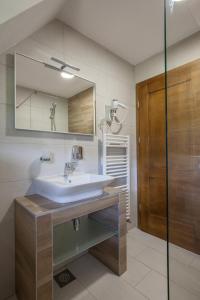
49 131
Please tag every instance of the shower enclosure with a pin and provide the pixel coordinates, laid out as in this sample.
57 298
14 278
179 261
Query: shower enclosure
182 103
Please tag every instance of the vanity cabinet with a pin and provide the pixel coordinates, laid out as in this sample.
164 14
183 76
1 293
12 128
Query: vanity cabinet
46 239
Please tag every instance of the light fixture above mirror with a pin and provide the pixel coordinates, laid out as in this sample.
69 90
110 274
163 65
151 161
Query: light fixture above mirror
66 75
50 98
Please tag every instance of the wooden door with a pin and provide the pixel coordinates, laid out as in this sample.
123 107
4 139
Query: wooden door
183 156
151 156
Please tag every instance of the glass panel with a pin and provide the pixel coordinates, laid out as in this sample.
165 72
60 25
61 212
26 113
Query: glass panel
69 243
183 143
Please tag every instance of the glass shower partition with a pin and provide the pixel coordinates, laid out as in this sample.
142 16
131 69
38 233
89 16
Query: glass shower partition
182 31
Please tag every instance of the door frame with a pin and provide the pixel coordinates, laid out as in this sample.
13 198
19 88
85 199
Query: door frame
153 82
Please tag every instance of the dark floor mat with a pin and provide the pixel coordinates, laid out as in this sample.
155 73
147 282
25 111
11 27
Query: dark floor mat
64 278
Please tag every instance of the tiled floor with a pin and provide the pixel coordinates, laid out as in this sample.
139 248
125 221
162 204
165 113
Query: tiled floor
145 278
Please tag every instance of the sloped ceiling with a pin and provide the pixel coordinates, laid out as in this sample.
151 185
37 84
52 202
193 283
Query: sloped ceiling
132 29
10 9
19 19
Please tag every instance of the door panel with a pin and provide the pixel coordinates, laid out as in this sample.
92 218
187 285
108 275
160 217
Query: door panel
151 154
183 156
184 159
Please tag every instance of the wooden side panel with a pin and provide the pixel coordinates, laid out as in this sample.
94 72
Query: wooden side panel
122 240
44 258
82 209
44 292
33 248
112 252
81 112
25 254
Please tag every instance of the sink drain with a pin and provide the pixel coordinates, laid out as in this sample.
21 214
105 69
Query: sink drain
64 278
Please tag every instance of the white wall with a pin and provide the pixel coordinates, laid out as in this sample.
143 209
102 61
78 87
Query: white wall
15 19
20 151
10 9
182 53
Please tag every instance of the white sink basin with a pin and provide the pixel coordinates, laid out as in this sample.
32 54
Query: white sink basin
77 187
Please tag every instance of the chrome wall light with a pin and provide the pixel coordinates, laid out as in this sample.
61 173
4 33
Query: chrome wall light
64 74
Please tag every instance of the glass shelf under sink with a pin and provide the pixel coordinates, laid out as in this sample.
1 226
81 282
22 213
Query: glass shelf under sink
68 243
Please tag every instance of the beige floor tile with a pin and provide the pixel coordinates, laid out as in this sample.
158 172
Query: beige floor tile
111 287
195 263
154 260
153 286
181 255
73 291
179 293
137 233
136 272
185 276
144 279
134 247
101 282
159 245
149 240
87 269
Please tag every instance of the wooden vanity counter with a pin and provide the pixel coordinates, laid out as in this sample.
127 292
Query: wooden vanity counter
35 219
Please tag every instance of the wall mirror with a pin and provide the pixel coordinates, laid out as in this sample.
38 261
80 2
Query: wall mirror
52 100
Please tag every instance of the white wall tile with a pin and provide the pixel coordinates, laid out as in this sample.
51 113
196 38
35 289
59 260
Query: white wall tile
22 161
20 150
6 84
8 192
6 116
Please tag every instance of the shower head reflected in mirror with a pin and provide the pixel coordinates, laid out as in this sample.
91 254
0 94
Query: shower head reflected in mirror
52 116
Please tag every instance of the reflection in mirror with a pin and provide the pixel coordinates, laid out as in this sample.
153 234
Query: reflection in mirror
51 99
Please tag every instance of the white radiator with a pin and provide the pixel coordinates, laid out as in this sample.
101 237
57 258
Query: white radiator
116 163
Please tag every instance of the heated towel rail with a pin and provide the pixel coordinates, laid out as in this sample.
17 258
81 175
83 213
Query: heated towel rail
116 163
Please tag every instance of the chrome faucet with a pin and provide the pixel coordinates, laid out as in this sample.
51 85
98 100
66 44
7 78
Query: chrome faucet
70 167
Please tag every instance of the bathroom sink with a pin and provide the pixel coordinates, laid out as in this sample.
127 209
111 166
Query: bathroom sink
74 188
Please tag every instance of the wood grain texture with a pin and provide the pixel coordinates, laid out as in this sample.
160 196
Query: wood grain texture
44 292
38 206
25 254
183 156
82 209
151 156
33 247
44 251
81 112
35 218
184 162
112 252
